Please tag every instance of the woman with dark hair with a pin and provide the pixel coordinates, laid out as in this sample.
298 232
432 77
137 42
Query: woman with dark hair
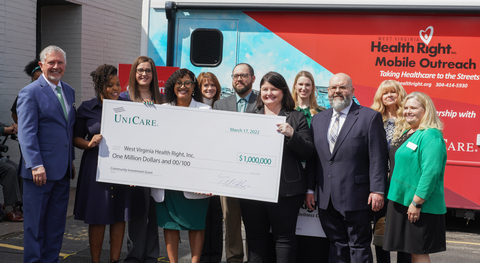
281 217
143 82
99 204
34 71
210 87
182 210
142 236
182 82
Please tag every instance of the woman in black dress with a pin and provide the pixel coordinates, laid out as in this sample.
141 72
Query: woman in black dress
388 101
281 217
99 204
142 234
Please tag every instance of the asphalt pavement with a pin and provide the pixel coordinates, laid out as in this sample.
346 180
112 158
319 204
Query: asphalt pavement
463 242
75 242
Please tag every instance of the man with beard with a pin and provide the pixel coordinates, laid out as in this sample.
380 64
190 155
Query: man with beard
244 100
350 171
46 115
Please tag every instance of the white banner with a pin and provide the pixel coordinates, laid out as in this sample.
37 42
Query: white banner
308 222
188 149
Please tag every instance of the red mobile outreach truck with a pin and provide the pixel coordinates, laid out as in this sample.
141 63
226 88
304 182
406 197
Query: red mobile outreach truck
432 48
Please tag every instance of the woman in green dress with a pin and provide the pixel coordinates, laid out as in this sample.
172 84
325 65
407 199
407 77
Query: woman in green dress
304 95
178 210
416 208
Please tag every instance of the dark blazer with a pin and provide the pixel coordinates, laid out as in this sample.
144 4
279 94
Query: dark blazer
295 150
358 163
44 134
230 103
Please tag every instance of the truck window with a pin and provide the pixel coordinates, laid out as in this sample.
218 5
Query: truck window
206 47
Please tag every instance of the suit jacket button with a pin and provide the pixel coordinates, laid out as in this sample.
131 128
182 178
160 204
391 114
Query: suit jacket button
329 176
331 162
66 145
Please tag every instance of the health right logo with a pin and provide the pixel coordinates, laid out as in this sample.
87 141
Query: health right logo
426 37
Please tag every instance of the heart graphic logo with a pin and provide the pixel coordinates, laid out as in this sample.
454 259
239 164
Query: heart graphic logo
425 36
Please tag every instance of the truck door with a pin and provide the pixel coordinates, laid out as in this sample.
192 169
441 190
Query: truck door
207 30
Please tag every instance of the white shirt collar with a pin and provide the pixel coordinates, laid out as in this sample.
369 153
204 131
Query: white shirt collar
344 111
53 86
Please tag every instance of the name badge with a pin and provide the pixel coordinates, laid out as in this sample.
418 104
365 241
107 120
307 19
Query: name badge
412 145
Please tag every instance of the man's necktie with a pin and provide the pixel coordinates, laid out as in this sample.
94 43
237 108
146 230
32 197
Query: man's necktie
242 105
62 102
333 134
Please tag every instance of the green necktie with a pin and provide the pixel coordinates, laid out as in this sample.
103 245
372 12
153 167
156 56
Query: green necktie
62 102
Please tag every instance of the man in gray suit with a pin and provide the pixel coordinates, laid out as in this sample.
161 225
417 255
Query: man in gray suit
244 100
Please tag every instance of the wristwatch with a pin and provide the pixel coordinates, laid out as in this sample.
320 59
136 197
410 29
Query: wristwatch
417 205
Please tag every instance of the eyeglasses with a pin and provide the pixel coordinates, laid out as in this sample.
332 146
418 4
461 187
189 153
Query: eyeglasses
341 88
243 76
187 84
141 71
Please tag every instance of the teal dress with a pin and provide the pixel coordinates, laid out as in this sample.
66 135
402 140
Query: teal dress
179 213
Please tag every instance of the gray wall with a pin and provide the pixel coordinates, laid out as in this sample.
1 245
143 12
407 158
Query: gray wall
92 33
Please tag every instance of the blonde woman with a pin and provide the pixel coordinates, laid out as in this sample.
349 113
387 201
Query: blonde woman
304 95
388 101
416 211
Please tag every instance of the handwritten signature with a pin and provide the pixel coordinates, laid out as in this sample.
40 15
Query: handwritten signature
226 181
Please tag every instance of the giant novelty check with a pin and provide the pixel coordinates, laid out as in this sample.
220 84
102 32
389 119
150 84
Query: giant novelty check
188 149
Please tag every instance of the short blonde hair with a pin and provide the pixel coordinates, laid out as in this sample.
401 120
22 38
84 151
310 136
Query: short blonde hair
313 105
429 120
388 85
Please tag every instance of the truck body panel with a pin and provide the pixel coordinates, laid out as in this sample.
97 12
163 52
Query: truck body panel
435 52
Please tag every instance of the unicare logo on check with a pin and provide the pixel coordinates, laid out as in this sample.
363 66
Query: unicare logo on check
135 120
